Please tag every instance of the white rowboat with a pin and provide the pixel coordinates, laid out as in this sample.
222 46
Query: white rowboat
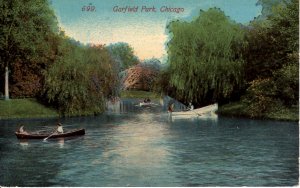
206 111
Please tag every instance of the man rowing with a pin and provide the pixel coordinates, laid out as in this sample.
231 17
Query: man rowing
59 128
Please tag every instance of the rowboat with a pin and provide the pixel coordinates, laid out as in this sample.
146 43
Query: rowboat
76 132
145 104
207 111
141 104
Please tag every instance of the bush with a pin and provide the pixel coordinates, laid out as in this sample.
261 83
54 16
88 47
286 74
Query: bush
259 97
287 80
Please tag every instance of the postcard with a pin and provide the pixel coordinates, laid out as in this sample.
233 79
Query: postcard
149 93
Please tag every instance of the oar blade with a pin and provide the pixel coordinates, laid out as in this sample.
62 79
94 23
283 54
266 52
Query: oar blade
49 136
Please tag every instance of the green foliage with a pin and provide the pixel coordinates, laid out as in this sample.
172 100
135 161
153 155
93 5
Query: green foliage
287 83
267 7
75 79
153 63
260 97
26 29
260 56
272 68
80 80
162 82
285 25
274 44
277 111
103 71
139 95
234 109
282 112
123 54
205 57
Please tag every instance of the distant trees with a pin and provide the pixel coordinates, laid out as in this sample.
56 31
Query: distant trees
153 63
123 54
267 8
205 57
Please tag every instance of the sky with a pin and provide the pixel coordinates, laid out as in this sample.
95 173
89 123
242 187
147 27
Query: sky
144 31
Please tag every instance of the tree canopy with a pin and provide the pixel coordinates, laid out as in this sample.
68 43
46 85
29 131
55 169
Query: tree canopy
272 60
46 64
123 54
27 27
81 79
205 57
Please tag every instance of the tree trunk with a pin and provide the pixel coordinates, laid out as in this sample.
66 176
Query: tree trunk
6 84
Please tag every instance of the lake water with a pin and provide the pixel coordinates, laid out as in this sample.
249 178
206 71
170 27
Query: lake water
140 146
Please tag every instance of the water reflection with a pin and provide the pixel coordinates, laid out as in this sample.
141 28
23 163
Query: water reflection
133 150
133 105
159 107
61 142
24 143
122 106
138 145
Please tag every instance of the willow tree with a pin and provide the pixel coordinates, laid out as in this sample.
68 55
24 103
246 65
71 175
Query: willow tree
80 80
204 57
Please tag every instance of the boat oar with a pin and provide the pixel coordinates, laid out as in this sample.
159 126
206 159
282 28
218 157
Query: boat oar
49 136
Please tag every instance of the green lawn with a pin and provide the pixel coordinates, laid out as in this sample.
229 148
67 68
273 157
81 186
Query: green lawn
25 108
233 109
139 94
239 109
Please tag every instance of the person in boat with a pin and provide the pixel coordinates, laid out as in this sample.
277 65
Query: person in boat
21 130
147 100
59 128
171 108
191 106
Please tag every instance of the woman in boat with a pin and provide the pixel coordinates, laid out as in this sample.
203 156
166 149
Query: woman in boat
22 131
59 128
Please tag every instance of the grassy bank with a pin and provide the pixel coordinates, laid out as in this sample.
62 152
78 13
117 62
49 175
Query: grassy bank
239 109
25 108
31 108
139 95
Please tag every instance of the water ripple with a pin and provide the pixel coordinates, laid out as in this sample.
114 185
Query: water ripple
145 149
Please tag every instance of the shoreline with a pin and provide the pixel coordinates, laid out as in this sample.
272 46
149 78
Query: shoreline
30 108
238 110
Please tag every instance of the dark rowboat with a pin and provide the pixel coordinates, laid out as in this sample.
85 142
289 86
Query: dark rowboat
29 135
